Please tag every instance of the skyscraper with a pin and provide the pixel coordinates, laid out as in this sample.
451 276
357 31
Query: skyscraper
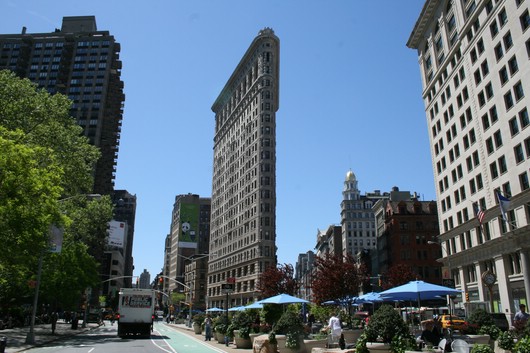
83 63
474 66
243 219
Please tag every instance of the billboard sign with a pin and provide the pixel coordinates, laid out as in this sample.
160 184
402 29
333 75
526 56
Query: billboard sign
189 225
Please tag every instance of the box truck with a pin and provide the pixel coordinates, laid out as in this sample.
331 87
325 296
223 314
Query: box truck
136 308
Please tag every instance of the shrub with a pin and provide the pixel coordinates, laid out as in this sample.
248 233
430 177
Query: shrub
385 323
491 330
482 348
479 318
403 342
292 340
220 324
240 322
199 318
360 345
522 346
505 340
289 322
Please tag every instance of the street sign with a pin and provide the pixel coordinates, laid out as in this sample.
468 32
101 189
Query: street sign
447 282
227 287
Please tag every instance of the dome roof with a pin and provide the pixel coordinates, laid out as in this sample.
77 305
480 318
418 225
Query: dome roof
350 176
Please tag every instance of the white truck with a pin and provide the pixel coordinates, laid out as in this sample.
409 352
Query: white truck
136 310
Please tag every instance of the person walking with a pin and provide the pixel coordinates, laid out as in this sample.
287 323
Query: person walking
521 317
334 329
208 328
53 320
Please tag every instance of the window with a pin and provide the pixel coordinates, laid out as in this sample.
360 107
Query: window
503 75
493 115
524 120
489 90
508 100
494 29
525 20
478 77
494 171
508 41
485 122
503 17
485 68
489 145
498 52
512 64
523 181
514 126
497 136
481 99
451 24
480 46
519 154
518 91
473 55
503 167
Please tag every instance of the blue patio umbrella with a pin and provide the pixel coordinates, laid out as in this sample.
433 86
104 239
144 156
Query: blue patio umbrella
417 290
214 309
282 299
237 308
254 305
369 298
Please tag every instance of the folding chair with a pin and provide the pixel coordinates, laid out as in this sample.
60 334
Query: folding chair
441 345
460 346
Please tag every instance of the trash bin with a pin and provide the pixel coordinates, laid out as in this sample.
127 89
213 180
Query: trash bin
3 344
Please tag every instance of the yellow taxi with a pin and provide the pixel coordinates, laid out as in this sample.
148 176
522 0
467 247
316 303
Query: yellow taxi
453 322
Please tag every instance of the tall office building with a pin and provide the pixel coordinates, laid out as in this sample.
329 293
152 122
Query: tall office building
243 224
357 217
83 63
188 239
125 211
474 64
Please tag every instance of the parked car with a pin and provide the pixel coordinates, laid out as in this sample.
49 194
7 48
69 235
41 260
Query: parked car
453 322
500 320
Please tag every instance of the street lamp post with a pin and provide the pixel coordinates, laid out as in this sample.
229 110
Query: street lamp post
30 337
442 246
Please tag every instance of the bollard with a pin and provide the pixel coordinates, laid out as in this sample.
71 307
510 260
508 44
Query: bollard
3 344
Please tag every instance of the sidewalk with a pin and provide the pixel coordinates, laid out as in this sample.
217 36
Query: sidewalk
16 337
231 348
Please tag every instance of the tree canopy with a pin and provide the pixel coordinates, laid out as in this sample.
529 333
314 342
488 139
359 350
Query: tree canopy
278 280
46 168
337 277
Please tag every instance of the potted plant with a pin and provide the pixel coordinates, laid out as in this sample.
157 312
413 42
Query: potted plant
241 328
478 319
482 348
220 328
505 341
384 325
490 330
522 346
198 320
288 324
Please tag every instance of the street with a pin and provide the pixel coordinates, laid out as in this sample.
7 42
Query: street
104 339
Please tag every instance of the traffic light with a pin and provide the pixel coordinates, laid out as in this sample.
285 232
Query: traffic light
161 281
467 296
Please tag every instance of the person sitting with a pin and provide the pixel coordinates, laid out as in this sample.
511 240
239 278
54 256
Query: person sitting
429 336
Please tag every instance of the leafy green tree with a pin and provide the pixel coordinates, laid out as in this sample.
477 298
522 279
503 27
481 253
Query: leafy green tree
44 162
44 121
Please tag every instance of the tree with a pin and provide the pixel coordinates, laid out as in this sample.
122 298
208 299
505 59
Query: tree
44 158
397 275
278 280
337 277
44 121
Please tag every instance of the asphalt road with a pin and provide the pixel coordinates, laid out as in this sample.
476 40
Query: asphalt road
104 339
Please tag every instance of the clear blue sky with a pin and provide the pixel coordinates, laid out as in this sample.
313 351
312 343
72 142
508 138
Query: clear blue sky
350 98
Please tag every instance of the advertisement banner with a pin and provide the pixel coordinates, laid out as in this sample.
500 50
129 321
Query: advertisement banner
116 233
189 225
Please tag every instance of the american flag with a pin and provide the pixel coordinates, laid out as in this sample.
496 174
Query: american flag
480 213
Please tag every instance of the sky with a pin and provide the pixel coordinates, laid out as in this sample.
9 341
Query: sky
350 99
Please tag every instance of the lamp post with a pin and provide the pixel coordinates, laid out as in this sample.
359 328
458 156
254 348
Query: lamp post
30 337
449 273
